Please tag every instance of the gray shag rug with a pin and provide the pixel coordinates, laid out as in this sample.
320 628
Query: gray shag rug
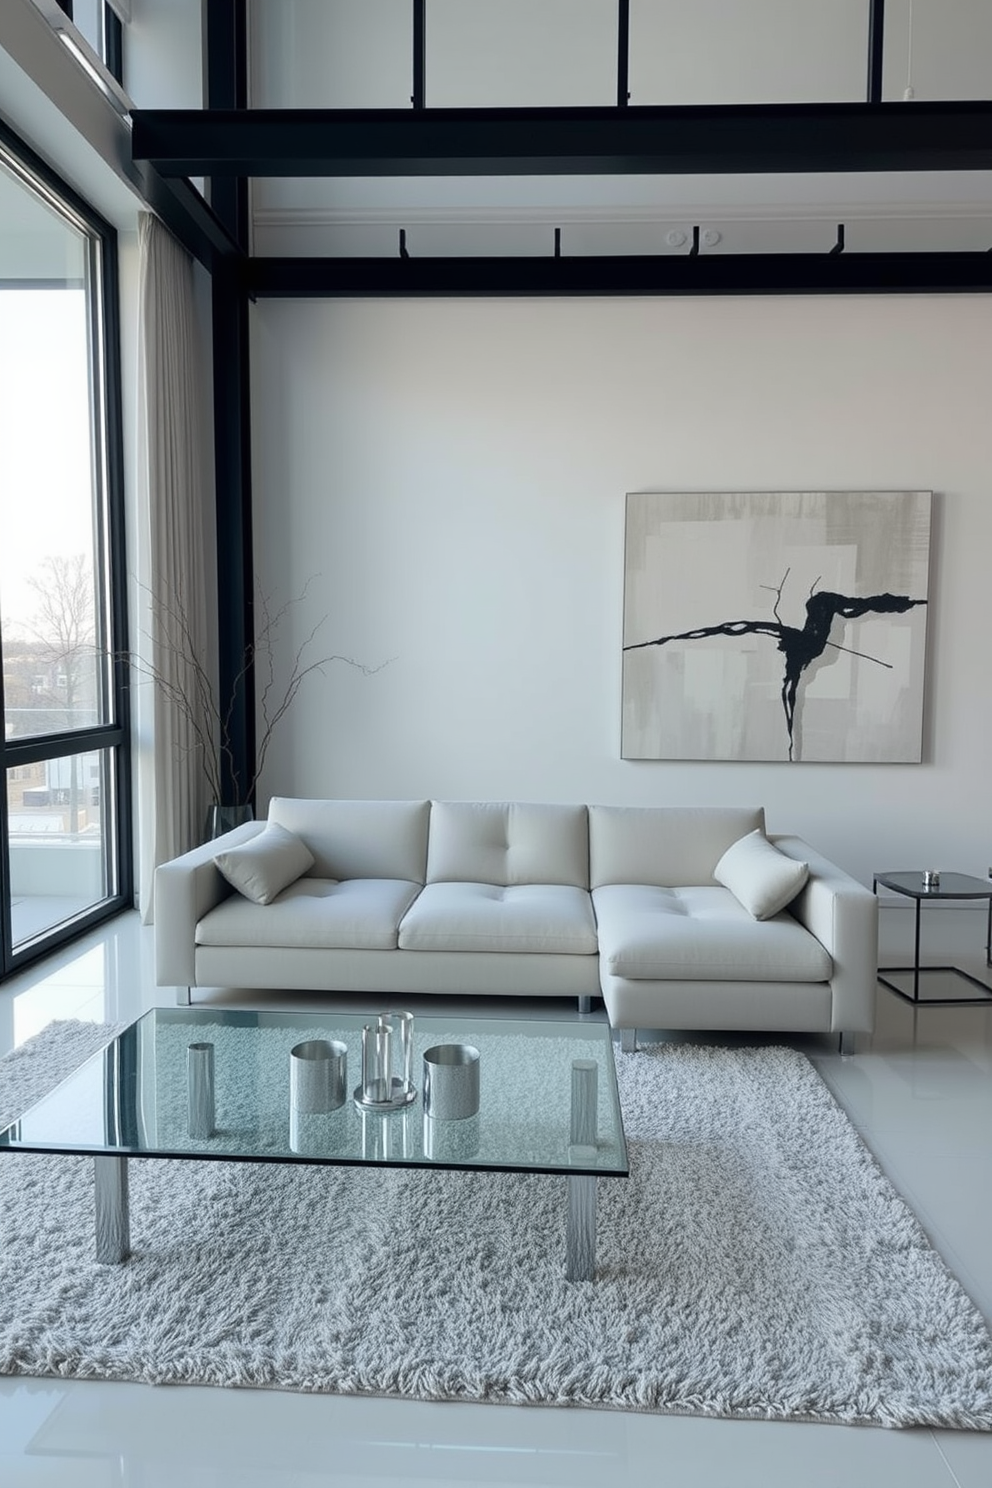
756 1264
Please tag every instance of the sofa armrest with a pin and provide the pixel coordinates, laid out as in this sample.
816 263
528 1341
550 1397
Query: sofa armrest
185 889
843 915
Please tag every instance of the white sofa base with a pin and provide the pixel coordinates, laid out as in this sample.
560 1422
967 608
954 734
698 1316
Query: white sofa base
508 974
791 1007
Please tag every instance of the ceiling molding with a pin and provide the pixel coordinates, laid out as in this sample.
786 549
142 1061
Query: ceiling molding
388 216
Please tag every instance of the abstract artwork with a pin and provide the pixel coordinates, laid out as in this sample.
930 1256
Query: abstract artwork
772 625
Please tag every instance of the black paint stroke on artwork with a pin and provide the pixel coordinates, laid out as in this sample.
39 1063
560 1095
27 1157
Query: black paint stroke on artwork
801 647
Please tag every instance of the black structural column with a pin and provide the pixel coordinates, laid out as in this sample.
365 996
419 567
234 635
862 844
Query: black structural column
876 47
623 53
226 68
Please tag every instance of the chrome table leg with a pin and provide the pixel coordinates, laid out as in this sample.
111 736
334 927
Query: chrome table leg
113 1225
580 1234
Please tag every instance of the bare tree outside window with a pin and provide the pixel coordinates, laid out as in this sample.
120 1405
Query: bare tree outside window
63 627
52 669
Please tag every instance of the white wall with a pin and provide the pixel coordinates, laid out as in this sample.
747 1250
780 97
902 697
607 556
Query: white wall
163 63
455 472
358 53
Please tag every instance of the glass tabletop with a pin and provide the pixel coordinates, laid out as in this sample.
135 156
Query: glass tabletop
133 1098
951 886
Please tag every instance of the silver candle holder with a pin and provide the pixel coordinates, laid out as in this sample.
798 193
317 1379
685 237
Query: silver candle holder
387 1064
317 1076
451 1082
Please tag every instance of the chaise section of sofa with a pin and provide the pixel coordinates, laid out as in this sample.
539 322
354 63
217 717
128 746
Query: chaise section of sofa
679 950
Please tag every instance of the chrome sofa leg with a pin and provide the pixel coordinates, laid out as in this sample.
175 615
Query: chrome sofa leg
184 996
585 1005
847 1044
628 1040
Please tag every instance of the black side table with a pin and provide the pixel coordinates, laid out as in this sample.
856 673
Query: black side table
951 886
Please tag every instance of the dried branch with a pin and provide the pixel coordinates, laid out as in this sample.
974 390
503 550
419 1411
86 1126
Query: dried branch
208 717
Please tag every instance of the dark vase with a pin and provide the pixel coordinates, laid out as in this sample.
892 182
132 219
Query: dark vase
221 819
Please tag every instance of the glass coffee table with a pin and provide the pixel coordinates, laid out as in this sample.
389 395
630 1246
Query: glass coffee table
215 1084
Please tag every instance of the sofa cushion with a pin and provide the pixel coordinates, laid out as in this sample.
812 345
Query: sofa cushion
555 919
359 839
318 913
262 868
508 842
701 934
663 845
763 879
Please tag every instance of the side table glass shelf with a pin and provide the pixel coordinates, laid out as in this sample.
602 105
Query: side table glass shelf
951 886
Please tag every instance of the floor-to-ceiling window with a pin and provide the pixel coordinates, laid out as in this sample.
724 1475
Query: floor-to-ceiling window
64 812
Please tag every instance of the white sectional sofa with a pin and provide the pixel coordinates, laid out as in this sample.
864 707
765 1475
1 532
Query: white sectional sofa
528 899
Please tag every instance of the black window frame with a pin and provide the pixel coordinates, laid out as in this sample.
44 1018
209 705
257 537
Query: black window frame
111 48
111 558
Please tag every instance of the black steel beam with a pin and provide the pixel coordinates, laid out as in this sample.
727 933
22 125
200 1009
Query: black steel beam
876 49
190 219
226 68
737 274
235 553
419 95
680 140
623 53
225 36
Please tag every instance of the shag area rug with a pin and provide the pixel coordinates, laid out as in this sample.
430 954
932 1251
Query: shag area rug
755 1264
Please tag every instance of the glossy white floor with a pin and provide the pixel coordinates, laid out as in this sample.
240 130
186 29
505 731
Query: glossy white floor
921 1093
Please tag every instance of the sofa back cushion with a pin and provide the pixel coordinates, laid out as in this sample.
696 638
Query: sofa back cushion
669 846
359 839
507 843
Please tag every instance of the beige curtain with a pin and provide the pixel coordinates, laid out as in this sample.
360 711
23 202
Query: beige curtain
170 624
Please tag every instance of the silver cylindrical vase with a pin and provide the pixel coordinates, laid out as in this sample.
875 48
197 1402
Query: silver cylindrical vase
200 1089
451 1081
317 1075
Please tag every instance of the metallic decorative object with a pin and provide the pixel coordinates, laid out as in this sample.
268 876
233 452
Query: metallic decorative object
451 1081
317 1076
931 878
200 1089
387 1064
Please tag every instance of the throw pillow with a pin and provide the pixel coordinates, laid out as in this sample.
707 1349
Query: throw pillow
265 865
763 879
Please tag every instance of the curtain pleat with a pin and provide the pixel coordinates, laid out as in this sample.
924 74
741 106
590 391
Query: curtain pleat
173 623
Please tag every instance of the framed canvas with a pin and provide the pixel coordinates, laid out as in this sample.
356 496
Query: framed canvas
772 625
